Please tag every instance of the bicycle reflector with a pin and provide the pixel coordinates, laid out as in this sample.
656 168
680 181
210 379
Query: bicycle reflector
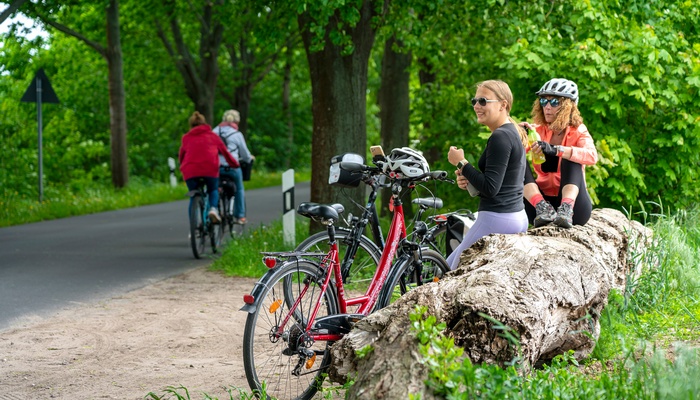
249 299
270 262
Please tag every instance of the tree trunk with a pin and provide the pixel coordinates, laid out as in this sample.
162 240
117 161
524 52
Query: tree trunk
394 107
117 98
338 87
548 285
427 78
201 74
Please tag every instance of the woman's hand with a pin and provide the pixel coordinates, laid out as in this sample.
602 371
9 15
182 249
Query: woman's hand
455 155
547 148
462 182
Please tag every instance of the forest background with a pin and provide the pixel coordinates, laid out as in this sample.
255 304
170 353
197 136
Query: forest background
315 79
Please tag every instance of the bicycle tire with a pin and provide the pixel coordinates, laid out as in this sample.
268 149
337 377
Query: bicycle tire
215 235
197 232
271 359
364 263
402 277
222 213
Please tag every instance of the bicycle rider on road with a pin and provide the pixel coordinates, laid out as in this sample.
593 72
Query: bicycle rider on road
199 158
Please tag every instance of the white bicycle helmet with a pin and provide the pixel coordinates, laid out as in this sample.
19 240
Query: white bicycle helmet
407 161
560 87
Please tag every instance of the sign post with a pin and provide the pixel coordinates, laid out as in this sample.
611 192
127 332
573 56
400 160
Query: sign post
39 91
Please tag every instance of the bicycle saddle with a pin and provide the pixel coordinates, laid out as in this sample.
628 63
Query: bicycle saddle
322 211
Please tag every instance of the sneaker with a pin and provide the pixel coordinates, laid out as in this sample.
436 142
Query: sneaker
545 214
241 221
214 215
564 216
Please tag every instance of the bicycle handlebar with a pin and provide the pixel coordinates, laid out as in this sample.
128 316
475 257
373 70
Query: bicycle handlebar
371 171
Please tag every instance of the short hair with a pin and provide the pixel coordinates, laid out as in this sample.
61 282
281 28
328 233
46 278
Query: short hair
231 116
197 119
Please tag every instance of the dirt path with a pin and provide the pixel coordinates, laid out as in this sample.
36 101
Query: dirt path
186 330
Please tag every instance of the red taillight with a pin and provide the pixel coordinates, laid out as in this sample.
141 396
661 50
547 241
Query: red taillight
440 218
249 299
270 262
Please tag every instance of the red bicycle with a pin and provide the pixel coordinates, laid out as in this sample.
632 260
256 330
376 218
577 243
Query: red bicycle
301 306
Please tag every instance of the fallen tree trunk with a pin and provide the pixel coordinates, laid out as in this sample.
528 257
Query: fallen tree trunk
548 285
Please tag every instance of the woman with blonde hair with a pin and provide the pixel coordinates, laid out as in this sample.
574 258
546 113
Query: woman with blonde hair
199 159
236 145
501 168
568 148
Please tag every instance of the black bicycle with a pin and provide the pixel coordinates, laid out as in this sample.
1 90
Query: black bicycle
360 254
201 227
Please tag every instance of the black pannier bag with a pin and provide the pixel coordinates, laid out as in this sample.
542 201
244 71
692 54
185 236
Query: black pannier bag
340 177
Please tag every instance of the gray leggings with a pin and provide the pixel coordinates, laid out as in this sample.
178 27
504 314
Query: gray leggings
488 222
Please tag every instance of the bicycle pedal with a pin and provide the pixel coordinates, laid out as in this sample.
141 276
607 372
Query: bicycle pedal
339 323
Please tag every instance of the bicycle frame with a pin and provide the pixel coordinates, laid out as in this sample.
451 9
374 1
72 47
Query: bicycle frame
330 265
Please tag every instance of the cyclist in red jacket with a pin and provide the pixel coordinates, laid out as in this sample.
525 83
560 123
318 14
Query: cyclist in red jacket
199 158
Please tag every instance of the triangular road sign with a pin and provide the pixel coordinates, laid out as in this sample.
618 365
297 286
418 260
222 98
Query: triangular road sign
47 93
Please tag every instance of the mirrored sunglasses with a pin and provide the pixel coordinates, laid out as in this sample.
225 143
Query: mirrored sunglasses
554 102
482 101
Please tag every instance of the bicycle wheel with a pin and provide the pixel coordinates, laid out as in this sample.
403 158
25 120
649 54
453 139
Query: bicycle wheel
222 213
215 235
403 276
197 229
359 269
283 357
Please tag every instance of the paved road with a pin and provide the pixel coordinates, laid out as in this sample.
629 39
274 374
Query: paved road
47 266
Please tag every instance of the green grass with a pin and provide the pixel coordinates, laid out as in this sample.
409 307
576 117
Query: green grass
60 201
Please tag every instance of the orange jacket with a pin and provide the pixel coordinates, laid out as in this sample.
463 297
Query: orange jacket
582 152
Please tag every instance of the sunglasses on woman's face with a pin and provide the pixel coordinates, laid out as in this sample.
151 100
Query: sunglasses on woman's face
482 101
552 102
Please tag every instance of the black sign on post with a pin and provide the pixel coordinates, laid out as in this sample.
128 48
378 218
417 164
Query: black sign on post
39 91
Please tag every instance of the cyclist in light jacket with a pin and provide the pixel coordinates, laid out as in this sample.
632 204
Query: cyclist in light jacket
568 148
198 159
236 145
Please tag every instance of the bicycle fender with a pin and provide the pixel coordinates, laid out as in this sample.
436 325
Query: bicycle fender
192 193
257 289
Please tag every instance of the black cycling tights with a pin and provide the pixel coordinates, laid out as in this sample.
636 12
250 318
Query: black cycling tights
571 173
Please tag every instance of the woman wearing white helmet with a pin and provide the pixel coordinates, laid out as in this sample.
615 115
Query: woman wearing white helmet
568 148
499 178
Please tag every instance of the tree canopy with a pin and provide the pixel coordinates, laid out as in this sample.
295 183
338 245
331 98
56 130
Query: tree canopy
637 65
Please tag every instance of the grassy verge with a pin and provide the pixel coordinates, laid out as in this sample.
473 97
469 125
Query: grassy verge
61 202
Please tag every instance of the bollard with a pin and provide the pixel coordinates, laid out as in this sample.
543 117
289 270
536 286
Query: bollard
288 220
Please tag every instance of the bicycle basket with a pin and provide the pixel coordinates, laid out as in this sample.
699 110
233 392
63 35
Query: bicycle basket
341 177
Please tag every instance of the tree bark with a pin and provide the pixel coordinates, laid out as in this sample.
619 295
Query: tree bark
338 88
548 285
394 107
117 98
